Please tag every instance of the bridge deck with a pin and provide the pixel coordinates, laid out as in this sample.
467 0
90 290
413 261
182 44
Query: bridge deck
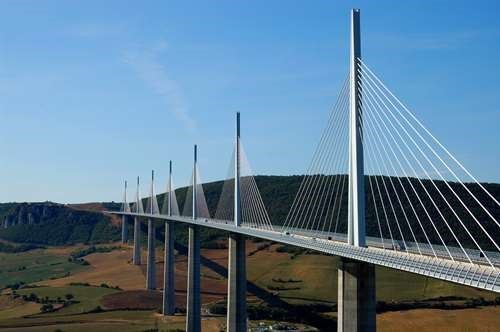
476 275
408 246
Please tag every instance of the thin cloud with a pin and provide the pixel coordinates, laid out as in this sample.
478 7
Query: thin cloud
155 75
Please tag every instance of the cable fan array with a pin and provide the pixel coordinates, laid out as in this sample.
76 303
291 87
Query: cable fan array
137 206
320 205
170 208
419 198
125 205
253 210
152 201
201 203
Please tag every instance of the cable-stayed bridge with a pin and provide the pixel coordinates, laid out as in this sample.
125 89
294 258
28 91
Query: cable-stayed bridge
381 189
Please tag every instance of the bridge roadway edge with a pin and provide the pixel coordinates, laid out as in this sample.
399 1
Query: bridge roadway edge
473 275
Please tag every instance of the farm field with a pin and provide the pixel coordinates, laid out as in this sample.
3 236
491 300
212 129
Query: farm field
11 308
477 320
87 298
35 265
297 279
315 279
463 320
104 321
112 268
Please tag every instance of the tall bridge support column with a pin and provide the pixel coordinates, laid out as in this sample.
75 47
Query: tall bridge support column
193 312
356 200
151 262
356 297
137 242
124 229
169 261
237 285
356 284
237 277
168 271
193 318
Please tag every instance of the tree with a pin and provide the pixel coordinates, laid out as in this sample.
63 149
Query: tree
47 308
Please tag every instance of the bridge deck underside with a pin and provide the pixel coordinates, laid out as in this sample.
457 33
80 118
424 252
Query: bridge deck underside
476 275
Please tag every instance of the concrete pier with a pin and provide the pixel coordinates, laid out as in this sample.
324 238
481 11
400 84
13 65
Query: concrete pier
193 314
124 229
137 242
168 271
151 262
236 285
356 297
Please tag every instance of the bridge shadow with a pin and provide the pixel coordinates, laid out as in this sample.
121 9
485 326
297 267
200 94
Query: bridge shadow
261 293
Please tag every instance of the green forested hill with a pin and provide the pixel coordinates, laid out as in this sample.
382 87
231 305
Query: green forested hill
53 224
56 224
278 193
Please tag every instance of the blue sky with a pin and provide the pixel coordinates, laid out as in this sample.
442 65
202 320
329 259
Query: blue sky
95 92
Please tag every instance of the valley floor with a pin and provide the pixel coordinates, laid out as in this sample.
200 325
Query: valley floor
108 293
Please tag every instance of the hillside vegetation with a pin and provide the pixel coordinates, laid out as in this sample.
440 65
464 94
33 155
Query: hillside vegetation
300 289
54 224
34 222
32 266
278 193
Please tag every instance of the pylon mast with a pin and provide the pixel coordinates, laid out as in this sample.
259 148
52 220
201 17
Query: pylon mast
237 205
356 211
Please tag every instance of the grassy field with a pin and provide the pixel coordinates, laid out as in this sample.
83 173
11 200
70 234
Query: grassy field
112 268
124 321
35 265
12 308
295 279
466 320
88 297
315 276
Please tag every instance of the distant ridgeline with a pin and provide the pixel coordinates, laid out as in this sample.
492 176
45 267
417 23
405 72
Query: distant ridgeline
278 193
56 224
53 224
